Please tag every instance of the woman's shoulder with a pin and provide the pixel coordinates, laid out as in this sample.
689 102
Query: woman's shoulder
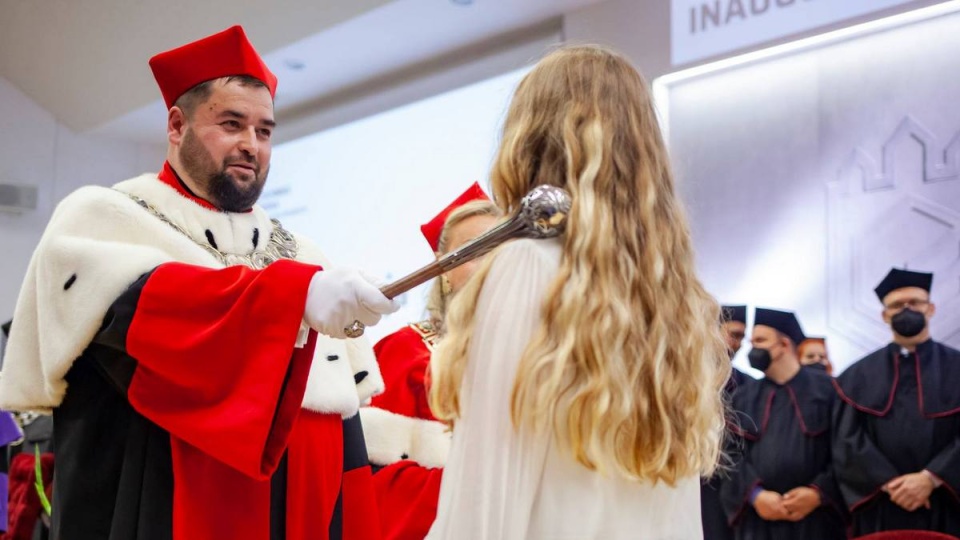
530 251
521 271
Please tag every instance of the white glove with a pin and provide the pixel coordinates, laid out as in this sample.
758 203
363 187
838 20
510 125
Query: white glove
339 296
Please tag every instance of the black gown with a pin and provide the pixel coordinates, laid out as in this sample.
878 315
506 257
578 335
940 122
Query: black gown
898 416
712 517
785 436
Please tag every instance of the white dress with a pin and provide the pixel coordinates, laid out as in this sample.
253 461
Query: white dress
500 484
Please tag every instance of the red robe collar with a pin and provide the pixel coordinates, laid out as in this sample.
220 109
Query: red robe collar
170 177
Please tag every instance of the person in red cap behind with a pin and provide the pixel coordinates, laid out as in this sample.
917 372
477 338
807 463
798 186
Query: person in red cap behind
170 326
813 354
403 437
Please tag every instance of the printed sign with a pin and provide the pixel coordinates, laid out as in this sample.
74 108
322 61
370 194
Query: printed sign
703 28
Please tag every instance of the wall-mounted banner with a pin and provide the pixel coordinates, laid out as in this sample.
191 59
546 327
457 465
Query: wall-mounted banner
702 28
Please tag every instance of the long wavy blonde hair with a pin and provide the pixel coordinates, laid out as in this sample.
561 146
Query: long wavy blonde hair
627 367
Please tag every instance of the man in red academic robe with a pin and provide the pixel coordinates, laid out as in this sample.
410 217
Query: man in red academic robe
170 327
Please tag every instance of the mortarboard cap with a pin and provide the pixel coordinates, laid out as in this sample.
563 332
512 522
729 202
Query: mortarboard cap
784 322
733 313
898 279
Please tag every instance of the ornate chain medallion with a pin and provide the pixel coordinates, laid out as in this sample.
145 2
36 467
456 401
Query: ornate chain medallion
282 244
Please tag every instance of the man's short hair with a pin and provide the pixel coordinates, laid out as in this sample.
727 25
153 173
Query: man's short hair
199 94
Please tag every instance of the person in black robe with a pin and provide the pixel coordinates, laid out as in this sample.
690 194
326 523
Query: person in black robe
897 428
782 485
714 520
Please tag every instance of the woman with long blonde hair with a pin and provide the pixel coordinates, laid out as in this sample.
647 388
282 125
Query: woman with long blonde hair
582 375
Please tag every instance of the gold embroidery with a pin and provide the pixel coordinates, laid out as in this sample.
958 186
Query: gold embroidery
428 333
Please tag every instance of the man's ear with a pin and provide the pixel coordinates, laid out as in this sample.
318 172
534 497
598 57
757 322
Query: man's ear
176 125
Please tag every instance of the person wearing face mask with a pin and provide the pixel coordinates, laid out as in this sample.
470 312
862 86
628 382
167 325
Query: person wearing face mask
813 354
733 323
782 484
897 428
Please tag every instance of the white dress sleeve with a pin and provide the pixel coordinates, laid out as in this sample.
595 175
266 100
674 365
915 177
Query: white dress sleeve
493 473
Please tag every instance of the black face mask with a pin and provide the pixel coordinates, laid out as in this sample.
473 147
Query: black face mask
817 366
759 359
908 322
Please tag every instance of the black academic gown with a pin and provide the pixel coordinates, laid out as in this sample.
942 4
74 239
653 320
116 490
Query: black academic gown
900 415
712 517
785 443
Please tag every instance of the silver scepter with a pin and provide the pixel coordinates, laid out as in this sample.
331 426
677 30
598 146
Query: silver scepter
542 214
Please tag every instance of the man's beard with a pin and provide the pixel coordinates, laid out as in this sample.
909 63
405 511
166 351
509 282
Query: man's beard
227 193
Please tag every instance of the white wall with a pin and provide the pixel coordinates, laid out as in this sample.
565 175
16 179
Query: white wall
641 30
809 175
362 190
37 150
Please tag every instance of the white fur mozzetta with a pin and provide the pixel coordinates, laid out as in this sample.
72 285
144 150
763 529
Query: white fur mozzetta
392 437
337 360
99 241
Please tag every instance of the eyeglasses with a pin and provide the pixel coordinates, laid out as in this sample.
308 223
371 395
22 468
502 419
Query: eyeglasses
913 303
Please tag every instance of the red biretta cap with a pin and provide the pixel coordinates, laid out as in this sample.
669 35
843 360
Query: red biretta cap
431 230
223 54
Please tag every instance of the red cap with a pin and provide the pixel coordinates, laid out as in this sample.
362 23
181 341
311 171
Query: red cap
432 229
221 55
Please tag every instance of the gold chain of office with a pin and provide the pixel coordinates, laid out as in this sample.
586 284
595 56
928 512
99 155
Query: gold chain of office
282 243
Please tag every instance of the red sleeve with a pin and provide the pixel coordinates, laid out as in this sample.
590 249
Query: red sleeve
216 364
407 496
404 360
418 386
314 475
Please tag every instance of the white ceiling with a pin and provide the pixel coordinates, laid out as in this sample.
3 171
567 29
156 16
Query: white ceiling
86 61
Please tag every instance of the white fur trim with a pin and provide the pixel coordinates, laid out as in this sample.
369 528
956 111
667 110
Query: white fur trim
357 352
362 358
390 437
107 241
326 391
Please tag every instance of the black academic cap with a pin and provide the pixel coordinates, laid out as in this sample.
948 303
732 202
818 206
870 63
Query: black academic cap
733 313
898 279
784 322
